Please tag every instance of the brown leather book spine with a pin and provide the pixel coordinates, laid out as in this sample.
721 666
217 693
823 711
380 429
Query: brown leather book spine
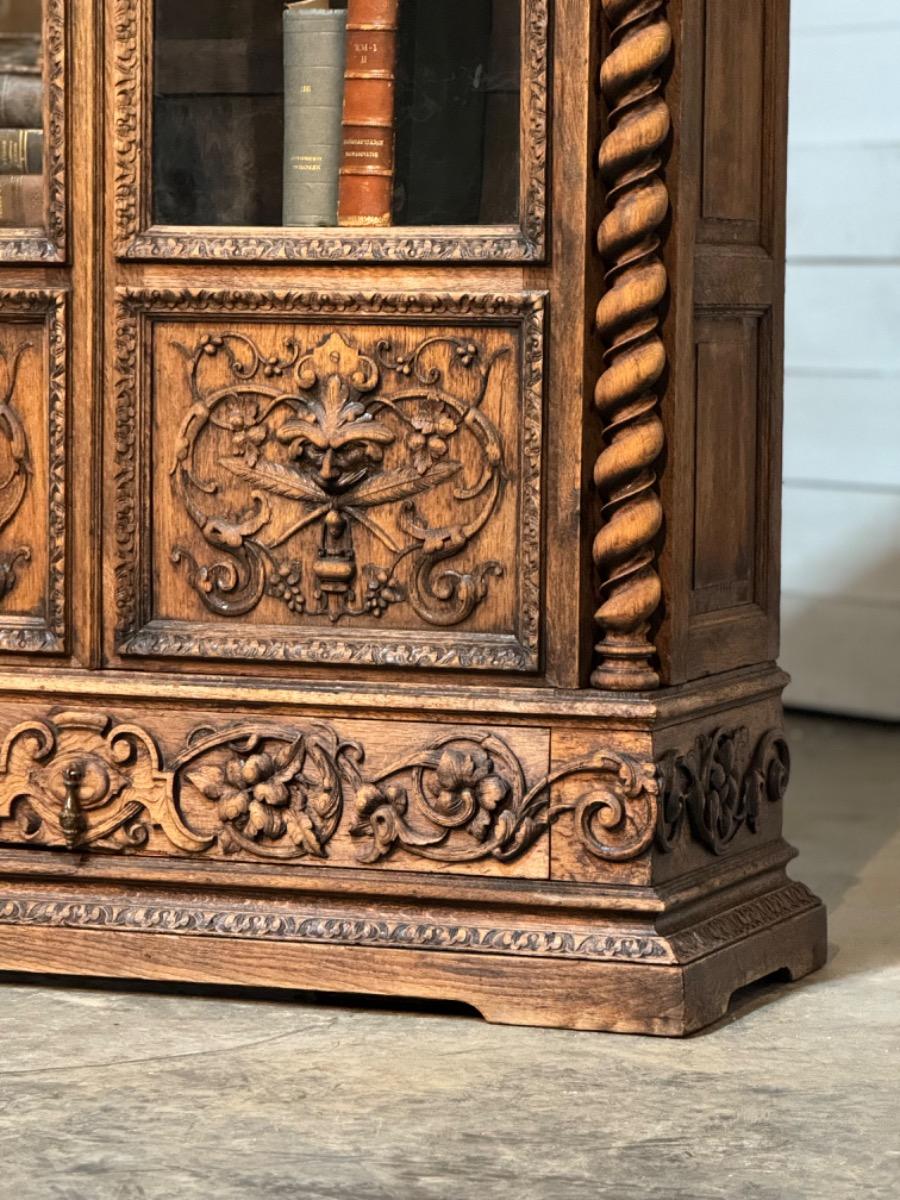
367 158
21 201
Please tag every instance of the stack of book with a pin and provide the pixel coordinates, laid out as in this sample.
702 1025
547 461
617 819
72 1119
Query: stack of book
21 116
339 83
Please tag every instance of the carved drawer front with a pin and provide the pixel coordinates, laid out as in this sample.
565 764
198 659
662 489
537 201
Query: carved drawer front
329 479
390 795
32 471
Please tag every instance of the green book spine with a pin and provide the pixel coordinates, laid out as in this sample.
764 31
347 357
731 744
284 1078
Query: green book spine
21 151
314 55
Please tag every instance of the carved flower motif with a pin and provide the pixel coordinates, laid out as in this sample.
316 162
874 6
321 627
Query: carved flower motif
433 426
468 791
379 818
241 418
466 352
264 796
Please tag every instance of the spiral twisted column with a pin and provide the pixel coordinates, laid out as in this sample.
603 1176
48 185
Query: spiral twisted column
628 321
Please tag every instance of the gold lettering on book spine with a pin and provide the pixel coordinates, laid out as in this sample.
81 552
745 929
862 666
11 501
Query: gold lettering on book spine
628 320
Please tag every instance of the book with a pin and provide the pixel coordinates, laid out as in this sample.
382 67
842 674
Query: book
21 201
367 157
315 40
21 151
21 100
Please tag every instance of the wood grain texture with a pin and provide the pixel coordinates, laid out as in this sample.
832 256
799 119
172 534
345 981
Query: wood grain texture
631 158
329 561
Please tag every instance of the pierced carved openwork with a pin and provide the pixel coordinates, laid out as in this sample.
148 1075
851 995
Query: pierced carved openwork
325 490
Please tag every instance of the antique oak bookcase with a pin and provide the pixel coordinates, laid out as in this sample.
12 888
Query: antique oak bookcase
395 610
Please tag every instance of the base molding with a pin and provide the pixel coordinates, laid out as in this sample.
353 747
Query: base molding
616 972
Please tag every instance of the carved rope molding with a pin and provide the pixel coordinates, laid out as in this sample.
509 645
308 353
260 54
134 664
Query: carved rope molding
47 633
284 926
137 635
280 792
628 318
135 240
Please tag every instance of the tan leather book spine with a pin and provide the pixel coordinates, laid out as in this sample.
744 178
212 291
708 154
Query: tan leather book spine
367 158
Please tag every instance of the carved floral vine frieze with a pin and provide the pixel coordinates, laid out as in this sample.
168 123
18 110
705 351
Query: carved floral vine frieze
309 440
718 788
281 792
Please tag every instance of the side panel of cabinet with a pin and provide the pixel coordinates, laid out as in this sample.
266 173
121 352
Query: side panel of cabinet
326 480
723 405
33 371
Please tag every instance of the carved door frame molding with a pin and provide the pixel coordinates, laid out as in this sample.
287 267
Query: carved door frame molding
130 34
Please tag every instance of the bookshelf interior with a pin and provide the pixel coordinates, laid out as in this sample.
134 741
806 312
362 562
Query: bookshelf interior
218 114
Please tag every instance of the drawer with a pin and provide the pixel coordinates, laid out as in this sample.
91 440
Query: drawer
387 795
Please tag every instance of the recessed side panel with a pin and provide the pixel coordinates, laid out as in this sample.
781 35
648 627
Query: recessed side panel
341 480
32 472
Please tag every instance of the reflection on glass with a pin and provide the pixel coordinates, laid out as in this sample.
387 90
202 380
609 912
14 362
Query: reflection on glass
21 115
274 113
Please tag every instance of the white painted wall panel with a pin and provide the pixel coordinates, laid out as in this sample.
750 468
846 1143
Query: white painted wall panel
843 85
844 201
842 317
841 569
810 15
842 428
843 656
842 542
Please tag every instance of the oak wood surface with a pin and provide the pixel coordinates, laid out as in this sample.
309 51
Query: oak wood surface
318 530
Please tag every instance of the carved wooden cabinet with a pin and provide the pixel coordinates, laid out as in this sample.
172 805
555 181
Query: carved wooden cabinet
395 610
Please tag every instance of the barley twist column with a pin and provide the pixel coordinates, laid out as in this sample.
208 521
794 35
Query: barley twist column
628 319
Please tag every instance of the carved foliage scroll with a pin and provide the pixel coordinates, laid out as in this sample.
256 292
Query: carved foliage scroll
718 788
136 238
628 318
340 488
283 791
33 336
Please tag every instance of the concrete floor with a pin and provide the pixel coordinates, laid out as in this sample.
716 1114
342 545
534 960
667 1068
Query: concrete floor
129 1095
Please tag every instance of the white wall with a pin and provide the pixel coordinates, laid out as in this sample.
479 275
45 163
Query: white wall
841 573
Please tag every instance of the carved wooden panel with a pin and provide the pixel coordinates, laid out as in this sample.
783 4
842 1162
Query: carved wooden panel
131 85
342 479
48 245
32 471
392 795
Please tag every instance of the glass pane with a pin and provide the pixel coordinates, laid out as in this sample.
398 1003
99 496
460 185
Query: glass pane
302 114
21 115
